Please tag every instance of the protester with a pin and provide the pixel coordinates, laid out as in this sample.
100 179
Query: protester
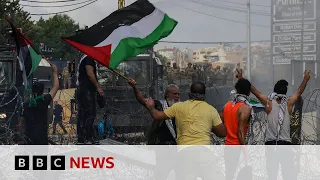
189 73
34 116
203 118
236 115
161 132
195 120
87 87
58 116
279 108
235 72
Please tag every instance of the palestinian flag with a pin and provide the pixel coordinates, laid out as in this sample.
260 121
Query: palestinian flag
29 58
257 105
125 33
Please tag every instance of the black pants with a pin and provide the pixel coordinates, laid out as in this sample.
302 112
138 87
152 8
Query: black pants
86 115
277 155
54 126
278 143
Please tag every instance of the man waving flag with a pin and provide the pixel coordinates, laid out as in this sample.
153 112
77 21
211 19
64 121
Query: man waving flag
125 33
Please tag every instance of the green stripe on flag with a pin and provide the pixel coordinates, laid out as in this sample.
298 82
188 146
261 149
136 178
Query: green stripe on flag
257 104
35 58
131 47
254 101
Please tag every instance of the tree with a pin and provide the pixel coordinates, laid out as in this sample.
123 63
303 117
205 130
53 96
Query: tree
20 18
51 31
47 31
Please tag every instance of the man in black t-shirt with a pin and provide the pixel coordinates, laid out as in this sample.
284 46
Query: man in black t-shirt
34 116
87 87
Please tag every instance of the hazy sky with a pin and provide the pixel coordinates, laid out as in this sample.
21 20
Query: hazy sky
198 20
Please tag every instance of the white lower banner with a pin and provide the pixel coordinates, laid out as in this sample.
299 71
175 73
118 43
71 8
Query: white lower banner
126 162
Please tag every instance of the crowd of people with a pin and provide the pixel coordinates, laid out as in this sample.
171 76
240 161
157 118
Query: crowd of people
176 114
191 122
201 73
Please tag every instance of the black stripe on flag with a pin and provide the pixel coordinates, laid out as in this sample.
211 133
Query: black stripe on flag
125 16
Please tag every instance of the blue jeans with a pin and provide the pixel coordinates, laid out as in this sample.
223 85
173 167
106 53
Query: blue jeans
59 122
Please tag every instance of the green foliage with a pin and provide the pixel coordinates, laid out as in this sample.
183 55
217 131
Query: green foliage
43 31
14 12
50 32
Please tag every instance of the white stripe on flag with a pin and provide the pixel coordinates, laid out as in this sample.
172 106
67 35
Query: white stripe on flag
140 29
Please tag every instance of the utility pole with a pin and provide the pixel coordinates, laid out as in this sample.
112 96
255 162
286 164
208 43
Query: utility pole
121 4
301 46
248 43
302 32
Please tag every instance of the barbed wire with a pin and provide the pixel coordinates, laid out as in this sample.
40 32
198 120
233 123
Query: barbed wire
131 120
311 103
308 137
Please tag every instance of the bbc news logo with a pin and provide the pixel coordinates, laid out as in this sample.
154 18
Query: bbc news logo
40 162
59 162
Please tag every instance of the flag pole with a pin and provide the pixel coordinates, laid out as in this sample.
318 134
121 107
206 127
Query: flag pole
47 60
119 74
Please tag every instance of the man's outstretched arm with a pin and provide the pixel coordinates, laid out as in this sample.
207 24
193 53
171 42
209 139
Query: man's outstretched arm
292 100
262 98
159 115
137 93
55 87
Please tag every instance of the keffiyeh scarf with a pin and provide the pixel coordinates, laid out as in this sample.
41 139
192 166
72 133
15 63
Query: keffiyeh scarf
196 96
245 99
168 121
33 100
283 105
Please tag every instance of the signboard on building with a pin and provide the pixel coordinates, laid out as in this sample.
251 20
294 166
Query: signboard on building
291 10
287 59
294 48
291 38
294 45
287 30
293 27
